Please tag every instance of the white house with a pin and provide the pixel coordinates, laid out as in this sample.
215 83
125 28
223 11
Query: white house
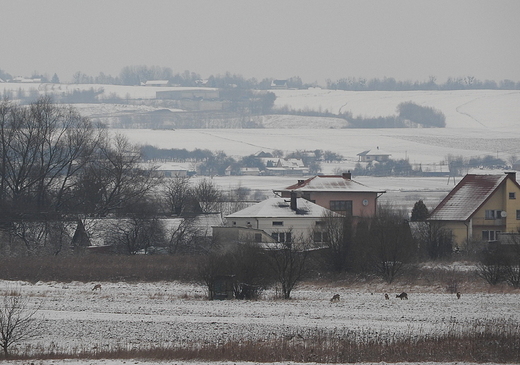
284 220
373 155
285 166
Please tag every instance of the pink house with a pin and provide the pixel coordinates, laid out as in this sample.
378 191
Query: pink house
338 193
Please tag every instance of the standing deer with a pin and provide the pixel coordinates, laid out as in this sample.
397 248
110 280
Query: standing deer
402 296
386 296
458 295
335 298
96 287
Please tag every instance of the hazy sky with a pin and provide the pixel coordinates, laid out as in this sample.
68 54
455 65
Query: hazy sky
316 40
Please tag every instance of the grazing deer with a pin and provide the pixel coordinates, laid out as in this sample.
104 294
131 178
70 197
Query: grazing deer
386 296
335 298
402 296
96 287
458 295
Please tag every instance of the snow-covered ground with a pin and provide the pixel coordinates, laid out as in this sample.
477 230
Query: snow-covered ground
478 123
173 313
419 146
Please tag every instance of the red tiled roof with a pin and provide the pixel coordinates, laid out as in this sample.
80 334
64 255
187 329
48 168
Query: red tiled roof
465 198
330 183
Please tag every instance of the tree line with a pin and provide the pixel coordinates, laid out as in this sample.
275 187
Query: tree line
137 74
408 115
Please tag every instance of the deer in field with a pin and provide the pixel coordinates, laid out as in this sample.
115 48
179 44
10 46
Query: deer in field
386 296
402 296
458 295
96 287
335 298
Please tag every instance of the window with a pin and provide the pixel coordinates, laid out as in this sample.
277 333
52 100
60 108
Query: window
493 214
341 206
490 235
490 214
277 223
281 236
518 214
321 236
512 195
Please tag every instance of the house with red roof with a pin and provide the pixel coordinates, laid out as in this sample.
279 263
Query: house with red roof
480 207
339 193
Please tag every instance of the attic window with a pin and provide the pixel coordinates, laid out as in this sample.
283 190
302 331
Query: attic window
277 223
512 195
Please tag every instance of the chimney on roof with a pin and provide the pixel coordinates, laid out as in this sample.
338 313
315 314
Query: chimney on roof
512 174
347 175
294 204
300 182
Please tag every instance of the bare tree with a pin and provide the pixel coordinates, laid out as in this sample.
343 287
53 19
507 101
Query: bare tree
208 195
178 195
17 320
336 234
137 233
387 245
42 146
288 262
114 178
42 236
182 237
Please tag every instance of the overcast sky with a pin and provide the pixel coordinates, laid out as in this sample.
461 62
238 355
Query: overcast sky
316 40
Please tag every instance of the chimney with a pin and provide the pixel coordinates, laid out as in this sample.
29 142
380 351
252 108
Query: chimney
347 175
512 174
300 182
294 204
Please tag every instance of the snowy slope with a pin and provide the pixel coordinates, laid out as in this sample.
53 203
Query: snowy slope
481 109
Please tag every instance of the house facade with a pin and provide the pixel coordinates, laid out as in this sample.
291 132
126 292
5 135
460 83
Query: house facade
275 220
285 166
480 208
373 155
338 193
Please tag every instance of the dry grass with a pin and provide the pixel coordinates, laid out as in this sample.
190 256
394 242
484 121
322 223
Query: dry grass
484 341
92 268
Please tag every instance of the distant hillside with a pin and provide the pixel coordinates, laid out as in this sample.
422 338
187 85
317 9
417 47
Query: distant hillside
481 109
462 108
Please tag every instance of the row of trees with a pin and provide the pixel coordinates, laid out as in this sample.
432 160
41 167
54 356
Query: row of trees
391 84
408 114
55 161
207 162
137 74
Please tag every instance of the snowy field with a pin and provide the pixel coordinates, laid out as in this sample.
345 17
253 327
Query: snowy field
143 314
478 123
481 109
426 146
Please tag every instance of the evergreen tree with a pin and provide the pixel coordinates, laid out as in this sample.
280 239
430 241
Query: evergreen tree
419 212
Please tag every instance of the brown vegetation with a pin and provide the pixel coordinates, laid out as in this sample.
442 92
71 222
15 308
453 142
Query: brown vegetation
484 341
99 268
